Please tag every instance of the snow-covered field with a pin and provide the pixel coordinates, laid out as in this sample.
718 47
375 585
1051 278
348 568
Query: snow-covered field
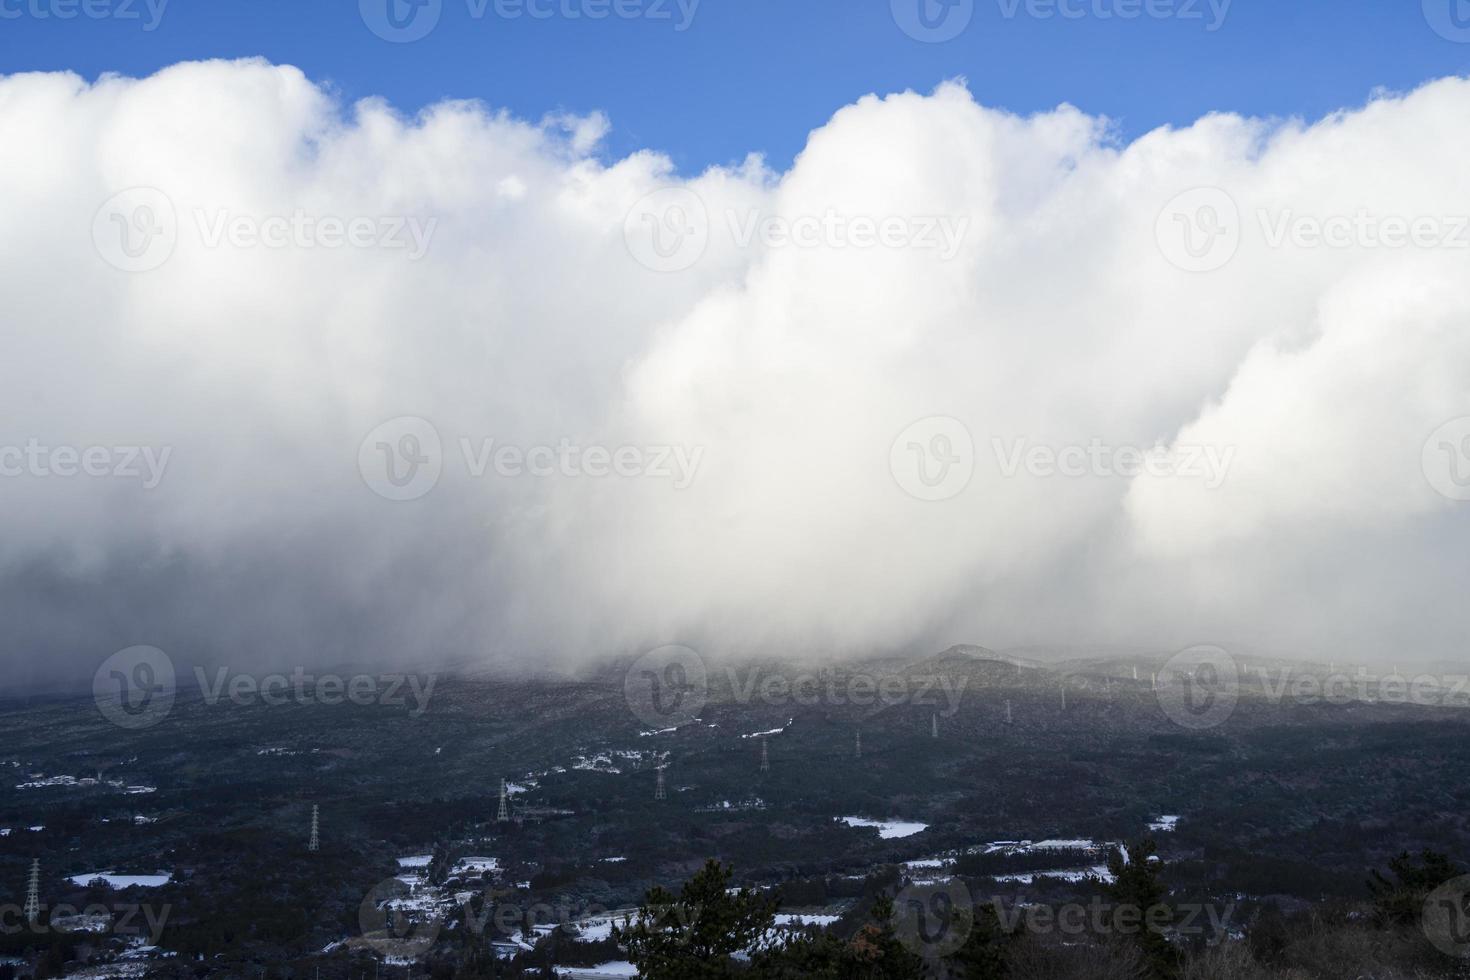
888 829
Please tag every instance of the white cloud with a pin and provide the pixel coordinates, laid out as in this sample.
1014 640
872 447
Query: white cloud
792 367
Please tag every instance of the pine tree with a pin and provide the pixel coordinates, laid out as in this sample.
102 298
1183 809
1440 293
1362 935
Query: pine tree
1401 901
697 934
1139 906
880 953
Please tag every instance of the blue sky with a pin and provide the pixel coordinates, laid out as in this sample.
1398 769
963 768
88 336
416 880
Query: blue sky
759 74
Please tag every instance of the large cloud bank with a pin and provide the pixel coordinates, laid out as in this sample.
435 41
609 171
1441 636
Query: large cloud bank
1023 283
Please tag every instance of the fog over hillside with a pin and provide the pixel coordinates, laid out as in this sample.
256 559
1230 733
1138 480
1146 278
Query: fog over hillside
790 412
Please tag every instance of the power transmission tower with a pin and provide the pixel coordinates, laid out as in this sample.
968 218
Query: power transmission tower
315 843
658 792
765 756
503 814
33 892
858 751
